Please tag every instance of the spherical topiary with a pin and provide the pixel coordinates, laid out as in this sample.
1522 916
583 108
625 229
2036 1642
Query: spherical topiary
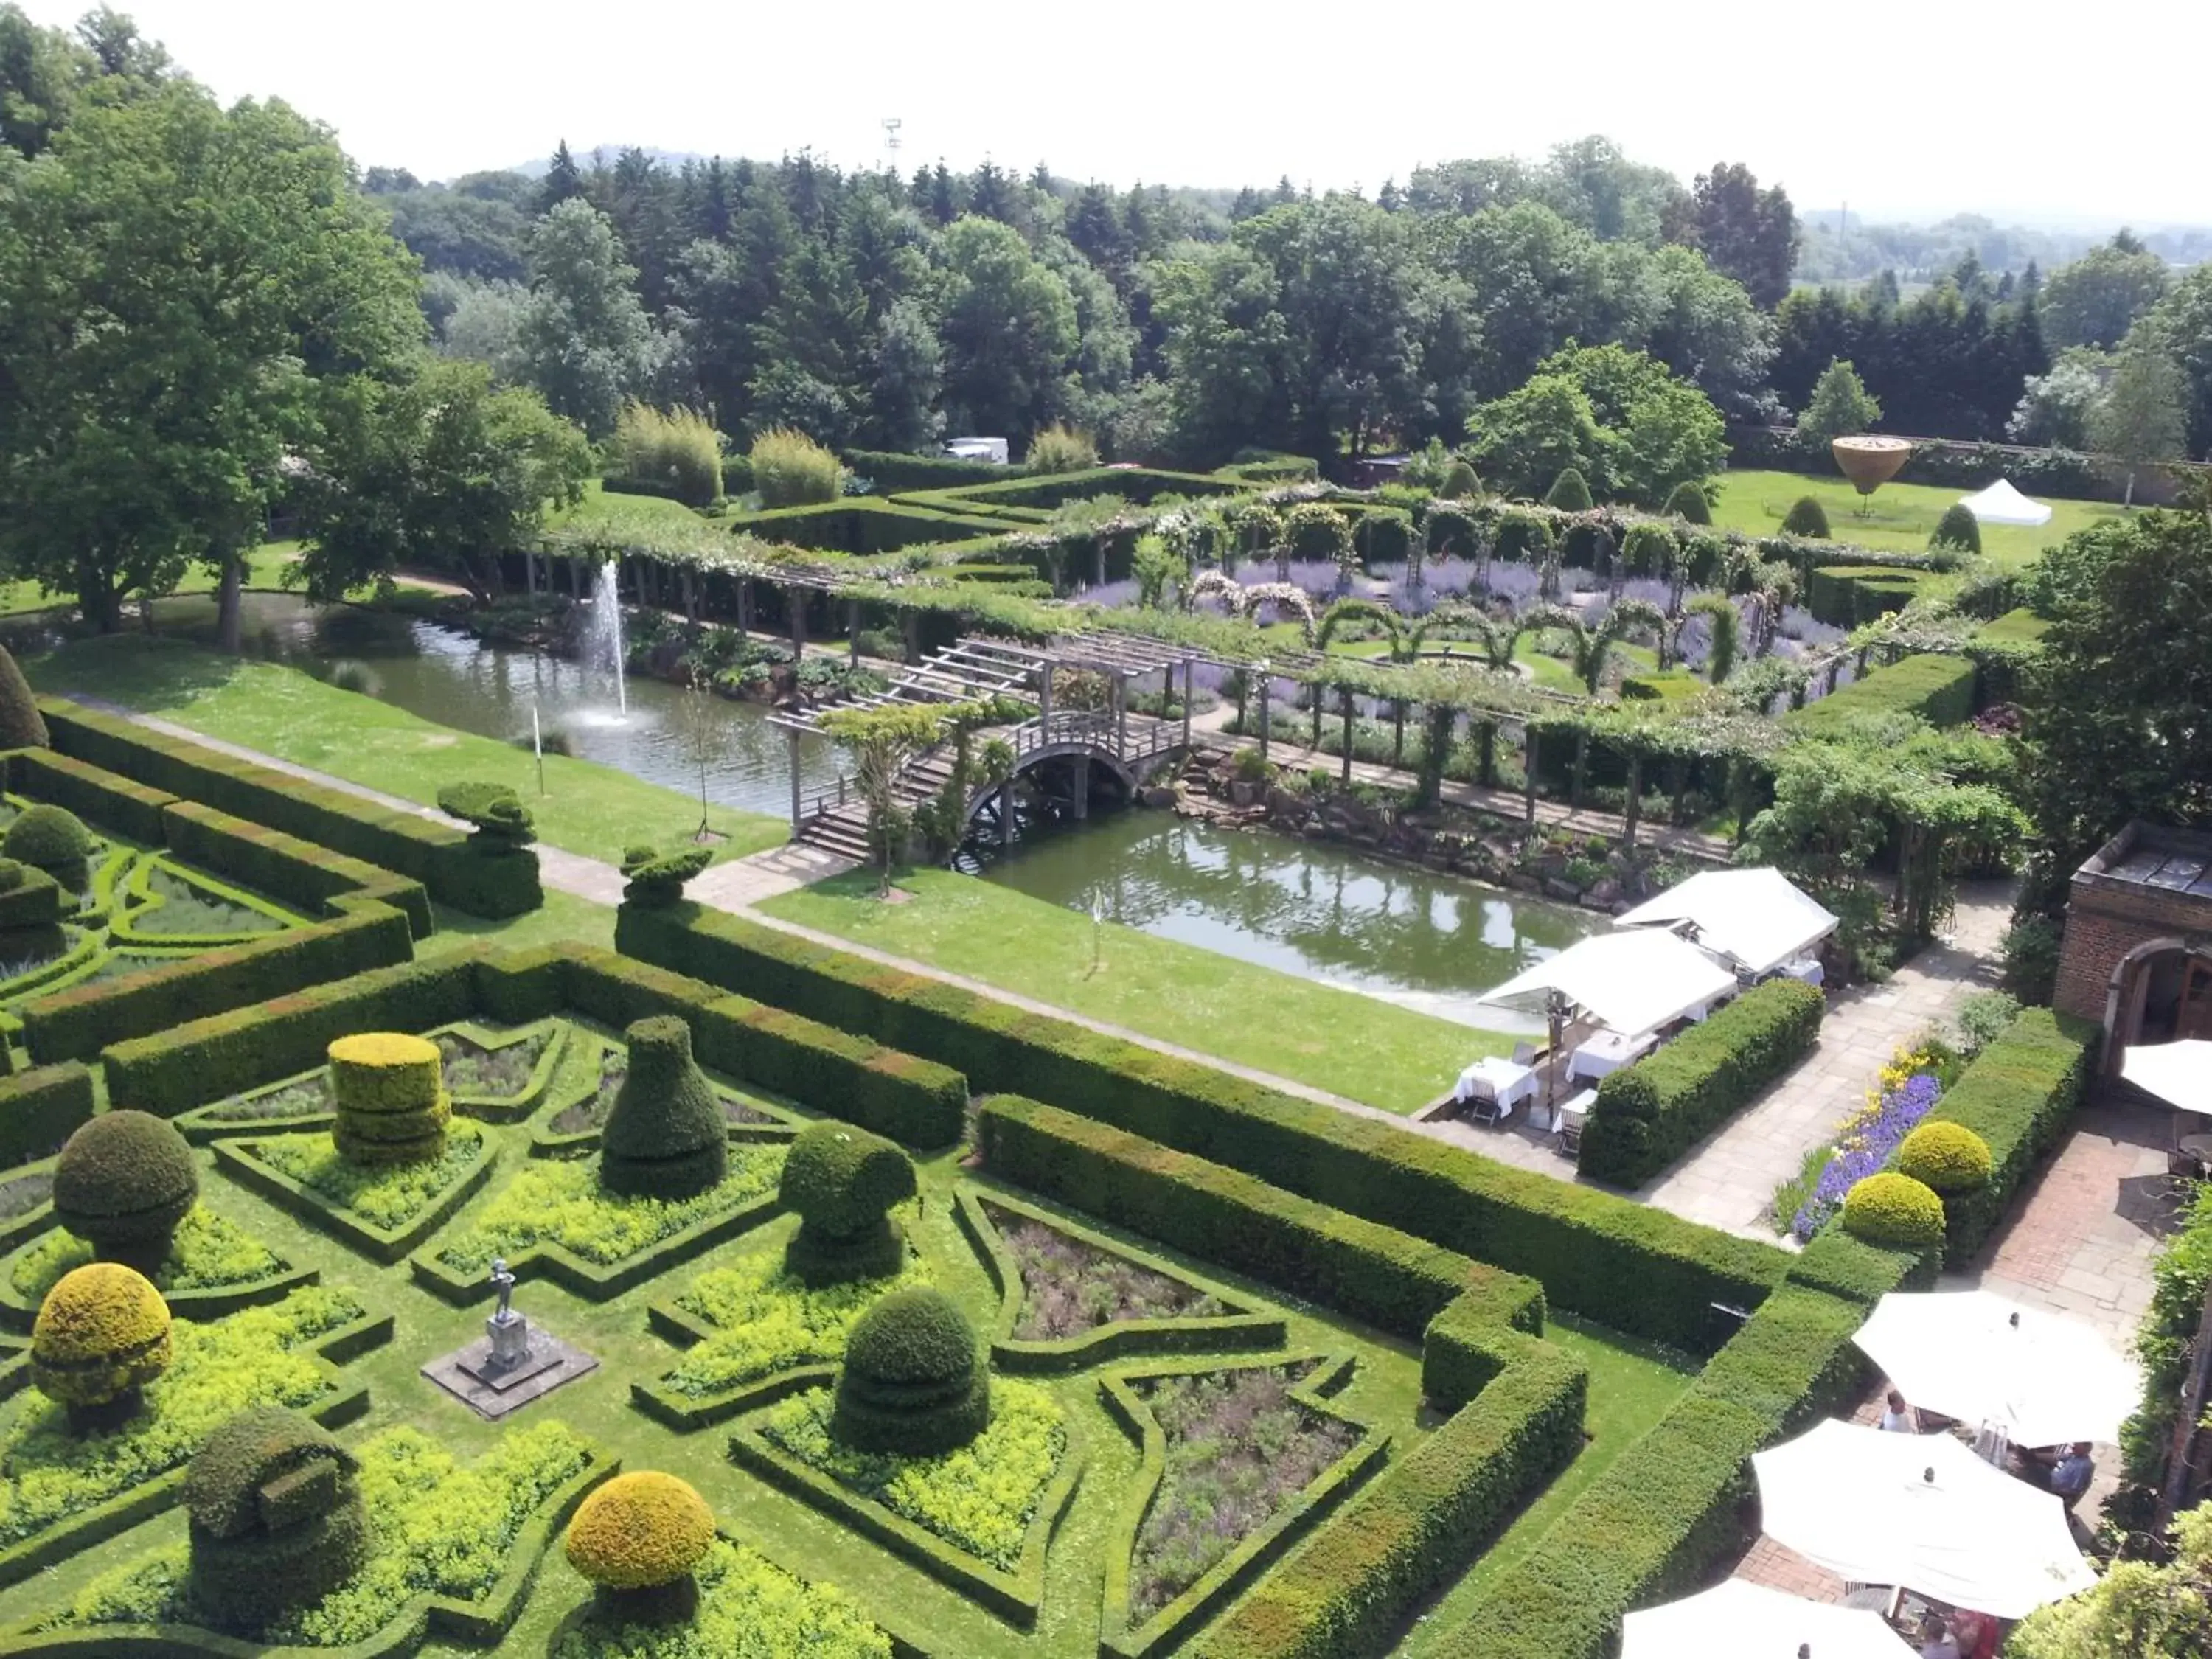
911 1382
1459 481
1958 528
390 1092
1688 501
1948 1156
276 1517
664 1136
101 1335
1894 1209
637 1539
1569 492
841 1182
123 1183
52 837
22 726
1808 519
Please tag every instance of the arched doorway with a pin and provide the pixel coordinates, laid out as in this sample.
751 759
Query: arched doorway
2161 992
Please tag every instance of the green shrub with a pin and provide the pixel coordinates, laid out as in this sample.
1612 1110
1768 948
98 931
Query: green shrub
747 1605
1807 518
2016 1096
761 1321
664 1136
1459 483
640 1531
676 450
1060 448
1384 536
1569 492
1622 1264
1648 550
841 1182
390 1092
791 469
100 1336
122 1183
206 1253
1958 528
1649 1113
502 822
1939 689
22 726
275 1517
656 880
1315 530
52 838
1688 502
912 1382
1949 1157
1848 595
42 1108
1887 1208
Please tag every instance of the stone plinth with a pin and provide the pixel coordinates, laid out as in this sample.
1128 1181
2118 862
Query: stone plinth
509 1366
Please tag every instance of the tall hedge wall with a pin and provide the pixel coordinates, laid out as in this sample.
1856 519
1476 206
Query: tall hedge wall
1649 1114
861 526
1938 689
1636 1269
41 1108
1847 595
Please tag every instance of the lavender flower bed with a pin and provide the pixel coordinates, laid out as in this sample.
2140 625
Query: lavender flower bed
1238 1449
1070 1287
1866 1145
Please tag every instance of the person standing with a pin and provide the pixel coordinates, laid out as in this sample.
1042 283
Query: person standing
1896 1417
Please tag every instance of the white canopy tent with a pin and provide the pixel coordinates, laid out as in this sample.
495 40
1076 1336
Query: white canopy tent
1759 919
2002 504
2044 1379
1739 1619
1632 982
2178 1073
1920 1510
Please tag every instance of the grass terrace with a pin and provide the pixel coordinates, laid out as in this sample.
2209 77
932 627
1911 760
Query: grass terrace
1902 515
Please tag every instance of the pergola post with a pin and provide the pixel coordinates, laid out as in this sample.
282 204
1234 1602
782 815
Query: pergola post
1344 693
791 748
745 607
795 596
1266 696
1121 715
1187 668
1529 748
1044 699
852 632
1635 798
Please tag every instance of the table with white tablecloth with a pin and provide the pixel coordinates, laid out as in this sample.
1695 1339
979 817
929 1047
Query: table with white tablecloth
1499 1080
1608 1051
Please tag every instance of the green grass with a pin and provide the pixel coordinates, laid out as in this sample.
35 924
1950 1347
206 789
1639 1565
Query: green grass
264 568
598 504
588 809
562 920
1902 515
1352 1045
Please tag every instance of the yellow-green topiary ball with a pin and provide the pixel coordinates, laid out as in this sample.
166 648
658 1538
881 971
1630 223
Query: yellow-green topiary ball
640 1531
101 1332
1948 1156
1894 1209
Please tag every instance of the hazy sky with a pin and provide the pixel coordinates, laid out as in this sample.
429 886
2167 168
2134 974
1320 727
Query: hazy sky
1963 108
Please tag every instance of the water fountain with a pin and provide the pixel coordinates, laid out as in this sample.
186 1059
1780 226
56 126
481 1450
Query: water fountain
603 633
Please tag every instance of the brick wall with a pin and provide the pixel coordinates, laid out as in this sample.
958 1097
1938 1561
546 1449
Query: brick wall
2105 920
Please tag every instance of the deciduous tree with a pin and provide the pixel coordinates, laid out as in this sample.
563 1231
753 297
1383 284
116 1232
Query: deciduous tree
2140 420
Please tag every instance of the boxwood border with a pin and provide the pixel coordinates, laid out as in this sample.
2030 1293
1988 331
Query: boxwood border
382 1245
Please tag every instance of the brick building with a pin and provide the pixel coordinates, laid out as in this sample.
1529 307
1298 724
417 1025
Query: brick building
2136 955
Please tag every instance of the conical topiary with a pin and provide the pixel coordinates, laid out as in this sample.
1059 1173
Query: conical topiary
1569 492
1688 501
122 1183
912 1382
390 1092
276 1517
841 1182
664 1137
22 726
1807 518
1459 481
1958 528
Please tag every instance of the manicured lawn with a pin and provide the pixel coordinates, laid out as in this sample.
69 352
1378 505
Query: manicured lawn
598 504
1351 1045
563 920
1902 515
588 809
264 568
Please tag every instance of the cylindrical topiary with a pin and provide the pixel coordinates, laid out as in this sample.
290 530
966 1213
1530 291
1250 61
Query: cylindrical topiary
1569 492
841 1182
664 1136
911 1382
1958 528
1687 502
637 1539
1947 1157
52 839
1889 1208
122 1183
390 1092
101 1335
276 1518
1807 518
22 726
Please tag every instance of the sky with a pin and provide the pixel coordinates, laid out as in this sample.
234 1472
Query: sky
1919 125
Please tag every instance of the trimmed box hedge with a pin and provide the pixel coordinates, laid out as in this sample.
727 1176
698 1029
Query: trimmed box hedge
861 525
1367 1271
1649 1113
2003 651
2016 1094
1636 1269
122 805
434 853
1940 689
1138 486
299 872
1847 595
892 472
41 1108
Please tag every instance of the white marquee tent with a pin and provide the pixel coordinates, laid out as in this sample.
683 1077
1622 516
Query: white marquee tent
1758 919
2002 504
1632 982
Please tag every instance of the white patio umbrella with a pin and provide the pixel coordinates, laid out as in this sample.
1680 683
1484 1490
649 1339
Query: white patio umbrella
1923 1512
1974 1355
2178 1073
1738 1620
